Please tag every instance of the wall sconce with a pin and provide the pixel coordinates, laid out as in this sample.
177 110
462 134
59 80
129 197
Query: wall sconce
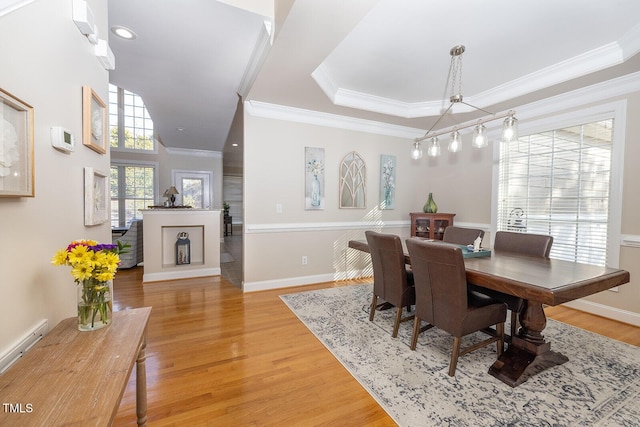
84 20
183 249
105 55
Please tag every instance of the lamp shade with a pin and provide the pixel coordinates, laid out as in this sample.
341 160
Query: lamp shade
434 148
480 136
455 144
171 191
510 129
416 151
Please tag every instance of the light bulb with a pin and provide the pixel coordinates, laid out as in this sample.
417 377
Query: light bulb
455 144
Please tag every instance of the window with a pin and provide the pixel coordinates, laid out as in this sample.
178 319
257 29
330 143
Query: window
194 188
558 182
130 125
132 189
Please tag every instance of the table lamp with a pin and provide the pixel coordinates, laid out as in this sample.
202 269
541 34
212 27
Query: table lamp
170 193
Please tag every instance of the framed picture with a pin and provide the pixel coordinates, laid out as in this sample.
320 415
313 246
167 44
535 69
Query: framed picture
387 181
16 147
314 178
94 121
96 197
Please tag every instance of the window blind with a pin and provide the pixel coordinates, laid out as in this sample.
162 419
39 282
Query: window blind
557 182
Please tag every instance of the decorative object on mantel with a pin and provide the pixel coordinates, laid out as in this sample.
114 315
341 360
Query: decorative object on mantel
169 207
183 249
430 206
170 194
93 267
480 139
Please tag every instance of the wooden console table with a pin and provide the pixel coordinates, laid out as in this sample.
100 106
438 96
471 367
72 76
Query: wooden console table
78 378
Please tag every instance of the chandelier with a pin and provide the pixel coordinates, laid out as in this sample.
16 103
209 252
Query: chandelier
479 139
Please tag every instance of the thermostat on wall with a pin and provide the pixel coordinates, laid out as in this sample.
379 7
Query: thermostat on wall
62 138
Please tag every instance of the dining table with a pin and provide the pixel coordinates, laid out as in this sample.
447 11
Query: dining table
539 282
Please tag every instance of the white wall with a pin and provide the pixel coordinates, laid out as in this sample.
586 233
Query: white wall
461 184
45 62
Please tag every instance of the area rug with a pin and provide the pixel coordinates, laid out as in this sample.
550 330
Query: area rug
598 386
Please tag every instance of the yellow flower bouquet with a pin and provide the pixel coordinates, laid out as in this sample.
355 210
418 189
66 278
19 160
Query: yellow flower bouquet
93 267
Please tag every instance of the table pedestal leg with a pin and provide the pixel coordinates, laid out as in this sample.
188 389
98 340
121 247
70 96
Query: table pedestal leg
528 352
141 383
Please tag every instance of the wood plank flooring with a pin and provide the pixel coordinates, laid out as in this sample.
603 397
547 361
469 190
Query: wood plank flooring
216 356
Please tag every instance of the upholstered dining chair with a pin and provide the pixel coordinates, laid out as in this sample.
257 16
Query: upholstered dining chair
461 235
535 245
442 299
392 281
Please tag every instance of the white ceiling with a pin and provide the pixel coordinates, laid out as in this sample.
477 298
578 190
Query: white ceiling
383 60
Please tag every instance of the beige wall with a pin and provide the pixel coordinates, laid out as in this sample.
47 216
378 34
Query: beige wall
46 64
462 184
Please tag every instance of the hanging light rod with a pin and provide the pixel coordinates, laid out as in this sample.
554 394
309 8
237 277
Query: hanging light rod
470 123
509 129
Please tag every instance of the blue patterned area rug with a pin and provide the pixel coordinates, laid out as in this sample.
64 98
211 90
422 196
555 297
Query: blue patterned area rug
598 386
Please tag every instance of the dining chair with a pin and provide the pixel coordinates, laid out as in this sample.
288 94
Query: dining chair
535 245
392 280
443 300
461 235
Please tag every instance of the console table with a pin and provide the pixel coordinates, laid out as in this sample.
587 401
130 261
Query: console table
78 378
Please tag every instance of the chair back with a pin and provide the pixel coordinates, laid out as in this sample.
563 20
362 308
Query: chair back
389 273
461 235
440 284
536 245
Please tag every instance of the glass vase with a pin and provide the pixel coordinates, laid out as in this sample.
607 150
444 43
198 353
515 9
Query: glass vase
315 191
95 307
430 206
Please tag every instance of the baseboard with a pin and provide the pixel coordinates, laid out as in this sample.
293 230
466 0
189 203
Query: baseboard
186 274
18 349
290 282
605 311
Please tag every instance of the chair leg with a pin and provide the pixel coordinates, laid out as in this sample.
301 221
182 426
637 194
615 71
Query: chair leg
500 342
416 331
396 325
454 356
373 307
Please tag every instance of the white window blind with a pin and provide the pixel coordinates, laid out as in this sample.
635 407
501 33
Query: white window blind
558 183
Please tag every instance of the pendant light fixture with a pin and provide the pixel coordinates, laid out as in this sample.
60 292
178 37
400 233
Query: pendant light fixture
480 138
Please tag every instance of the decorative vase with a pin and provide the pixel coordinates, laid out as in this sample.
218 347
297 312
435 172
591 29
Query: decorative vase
430 206
94 304
315 191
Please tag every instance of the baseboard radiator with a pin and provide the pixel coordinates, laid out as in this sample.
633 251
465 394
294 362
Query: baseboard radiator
23 345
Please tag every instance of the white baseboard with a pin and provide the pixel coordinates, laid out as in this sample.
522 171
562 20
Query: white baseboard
19 348
605 311
303 280
186 274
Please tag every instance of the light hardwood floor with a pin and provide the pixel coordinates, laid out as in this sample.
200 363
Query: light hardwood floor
216 356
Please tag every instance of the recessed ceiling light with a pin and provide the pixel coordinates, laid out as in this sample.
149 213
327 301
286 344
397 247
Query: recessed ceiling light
179 129
235 144
123 32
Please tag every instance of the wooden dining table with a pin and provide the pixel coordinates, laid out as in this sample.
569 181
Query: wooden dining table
538 282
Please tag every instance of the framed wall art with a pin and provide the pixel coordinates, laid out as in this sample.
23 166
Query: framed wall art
353 182
94 121
16 147
314 178
387 181
96 197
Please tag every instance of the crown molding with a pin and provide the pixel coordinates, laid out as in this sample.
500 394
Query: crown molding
258 56
8 6
191 152
597 59
300 115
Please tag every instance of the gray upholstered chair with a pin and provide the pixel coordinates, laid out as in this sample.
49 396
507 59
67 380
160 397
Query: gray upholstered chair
392 281
461 235
535 245
443 301
134 237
